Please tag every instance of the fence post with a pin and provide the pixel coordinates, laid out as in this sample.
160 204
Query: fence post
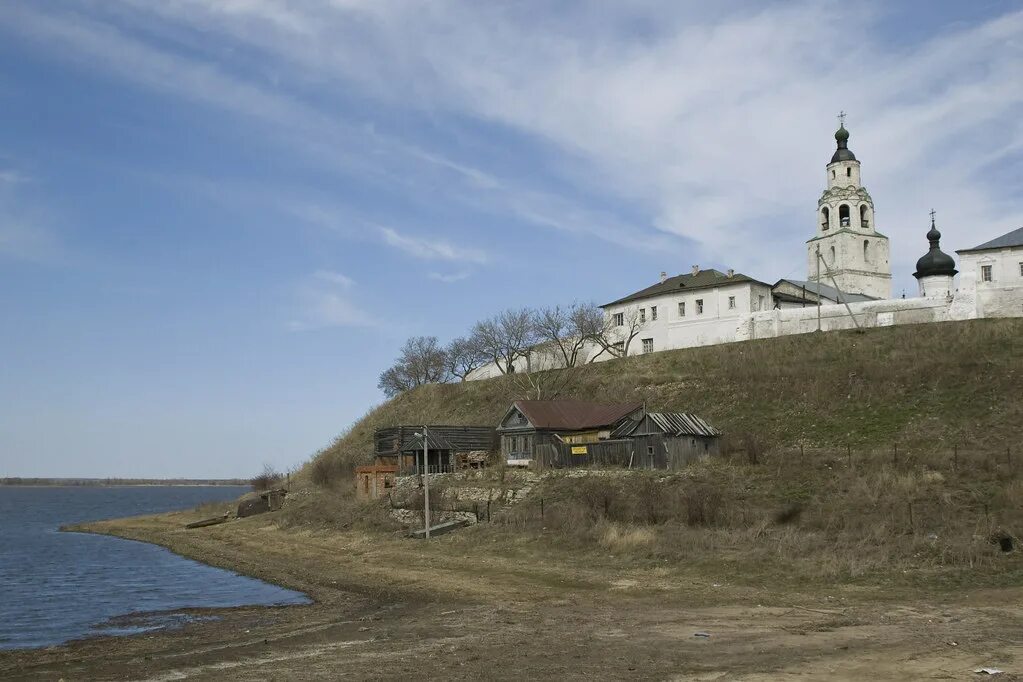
488 511
1008 456
541 509
848 455
476 510
955 457
801 454
911 530
895 453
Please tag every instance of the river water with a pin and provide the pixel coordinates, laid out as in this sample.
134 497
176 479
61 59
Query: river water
57 586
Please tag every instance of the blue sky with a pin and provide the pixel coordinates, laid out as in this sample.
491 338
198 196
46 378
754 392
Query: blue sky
219 219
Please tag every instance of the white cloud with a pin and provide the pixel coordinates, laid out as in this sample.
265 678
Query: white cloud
337 278
431 249
325 299
711 123
448 278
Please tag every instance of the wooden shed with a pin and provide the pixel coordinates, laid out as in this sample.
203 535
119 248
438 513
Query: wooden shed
449 446
668 440
561 433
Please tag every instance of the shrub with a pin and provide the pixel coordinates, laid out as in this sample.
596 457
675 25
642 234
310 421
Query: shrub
267 479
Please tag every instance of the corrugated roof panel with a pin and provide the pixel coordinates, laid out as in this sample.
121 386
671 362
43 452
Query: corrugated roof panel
683 424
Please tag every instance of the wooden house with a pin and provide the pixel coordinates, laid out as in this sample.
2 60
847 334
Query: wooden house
448 447
668 440
556 433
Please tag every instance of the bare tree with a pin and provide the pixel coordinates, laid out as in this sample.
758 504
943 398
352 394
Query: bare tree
506 338
568 330
464 355
422 361
544 381
615 338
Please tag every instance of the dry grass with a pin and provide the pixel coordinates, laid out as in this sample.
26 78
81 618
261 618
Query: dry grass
952 383
847 457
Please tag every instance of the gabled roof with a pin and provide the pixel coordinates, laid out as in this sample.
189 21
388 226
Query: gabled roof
1007 240
572 415
826 291
434 441
704 279
671 423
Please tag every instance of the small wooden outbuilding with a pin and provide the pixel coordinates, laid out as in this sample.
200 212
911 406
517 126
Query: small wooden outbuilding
668 440
374 480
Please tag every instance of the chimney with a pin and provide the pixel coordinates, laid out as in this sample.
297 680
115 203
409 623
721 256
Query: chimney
696 269
731 273
664 276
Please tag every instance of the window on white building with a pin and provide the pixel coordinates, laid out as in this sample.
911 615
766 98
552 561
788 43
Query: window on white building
682 309
699 306
653 313
619 319
760 302
985 273
642 315
731 302
648 345
1021 269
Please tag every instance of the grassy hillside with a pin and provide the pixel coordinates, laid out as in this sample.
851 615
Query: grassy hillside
891 457
924 386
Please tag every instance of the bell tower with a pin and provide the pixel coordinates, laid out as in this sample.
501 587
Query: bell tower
854 253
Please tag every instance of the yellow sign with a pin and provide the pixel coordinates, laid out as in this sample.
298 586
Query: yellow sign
578 449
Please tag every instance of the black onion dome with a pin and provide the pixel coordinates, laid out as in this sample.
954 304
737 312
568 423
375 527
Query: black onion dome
842 153
935 261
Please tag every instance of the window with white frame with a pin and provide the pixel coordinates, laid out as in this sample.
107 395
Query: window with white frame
642 315
653 313
699 306
682 309
731 302
619 319
986 274
648 345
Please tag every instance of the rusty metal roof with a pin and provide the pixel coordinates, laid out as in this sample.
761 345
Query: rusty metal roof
573 415
672 423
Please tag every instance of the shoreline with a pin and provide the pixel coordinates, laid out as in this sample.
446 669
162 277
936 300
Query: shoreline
386 607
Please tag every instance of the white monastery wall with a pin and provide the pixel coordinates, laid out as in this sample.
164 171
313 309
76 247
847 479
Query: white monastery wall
1002 296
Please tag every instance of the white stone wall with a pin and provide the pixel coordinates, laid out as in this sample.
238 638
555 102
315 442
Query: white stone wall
937 286
1003 295
716 324
868 314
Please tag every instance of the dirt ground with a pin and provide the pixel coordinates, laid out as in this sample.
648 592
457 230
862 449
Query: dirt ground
388 607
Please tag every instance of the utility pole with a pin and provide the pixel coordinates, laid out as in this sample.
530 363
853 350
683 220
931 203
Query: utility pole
426 481
818 287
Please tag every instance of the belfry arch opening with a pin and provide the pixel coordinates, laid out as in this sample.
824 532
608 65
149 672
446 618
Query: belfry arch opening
843 215
864 222
825 218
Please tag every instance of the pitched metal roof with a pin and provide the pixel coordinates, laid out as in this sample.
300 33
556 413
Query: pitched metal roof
1007 240
826 291
671 423
704 279
434 441
573 415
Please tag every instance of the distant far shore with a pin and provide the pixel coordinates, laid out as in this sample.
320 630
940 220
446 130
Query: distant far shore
111 482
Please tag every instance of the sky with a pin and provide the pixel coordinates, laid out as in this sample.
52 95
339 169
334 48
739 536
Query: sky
220 219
